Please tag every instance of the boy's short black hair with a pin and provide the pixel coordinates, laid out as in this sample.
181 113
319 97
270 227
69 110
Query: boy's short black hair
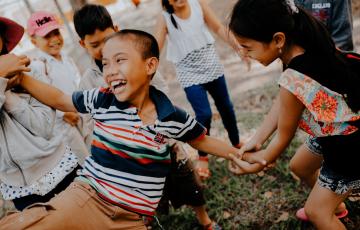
144 42
91 17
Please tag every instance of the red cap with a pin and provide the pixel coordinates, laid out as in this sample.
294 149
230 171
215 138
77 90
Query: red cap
13 33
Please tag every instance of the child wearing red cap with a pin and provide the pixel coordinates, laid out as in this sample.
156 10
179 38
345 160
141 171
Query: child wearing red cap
34 164
43 28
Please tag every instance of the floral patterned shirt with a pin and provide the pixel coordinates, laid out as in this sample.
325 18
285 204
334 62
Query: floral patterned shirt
326 112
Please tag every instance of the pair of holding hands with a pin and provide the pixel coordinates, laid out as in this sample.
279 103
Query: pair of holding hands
250 159
12 67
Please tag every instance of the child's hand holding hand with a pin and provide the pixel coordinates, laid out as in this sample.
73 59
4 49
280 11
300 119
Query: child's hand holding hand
250 146
12 65
247 163
240 167
71 118
14 81
254 157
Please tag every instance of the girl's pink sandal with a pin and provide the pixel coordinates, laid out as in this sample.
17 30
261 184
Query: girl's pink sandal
301 215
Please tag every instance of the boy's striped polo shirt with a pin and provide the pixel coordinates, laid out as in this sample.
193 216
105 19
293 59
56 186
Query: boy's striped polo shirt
129 161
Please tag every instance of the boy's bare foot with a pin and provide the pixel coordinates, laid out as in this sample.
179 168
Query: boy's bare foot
202 168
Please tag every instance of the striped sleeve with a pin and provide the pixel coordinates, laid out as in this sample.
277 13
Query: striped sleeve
84 101
189 128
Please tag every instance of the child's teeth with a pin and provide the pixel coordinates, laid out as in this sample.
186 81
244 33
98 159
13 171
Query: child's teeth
115 83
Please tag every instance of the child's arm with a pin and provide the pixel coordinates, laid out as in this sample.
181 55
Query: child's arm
161 31
266 129
187 129
219 148
215 25
214 146
224 33
48 94
290 111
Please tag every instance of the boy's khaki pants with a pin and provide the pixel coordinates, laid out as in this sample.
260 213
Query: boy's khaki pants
78 207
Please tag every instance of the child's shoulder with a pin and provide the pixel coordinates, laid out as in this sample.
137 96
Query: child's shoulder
178 115
37 63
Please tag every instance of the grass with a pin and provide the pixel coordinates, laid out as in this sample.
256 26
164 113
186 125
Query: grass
265 201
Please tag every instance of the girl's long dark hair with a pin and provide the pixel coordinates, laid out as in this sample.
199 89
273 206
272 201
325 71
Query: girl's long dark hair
261 19
170 9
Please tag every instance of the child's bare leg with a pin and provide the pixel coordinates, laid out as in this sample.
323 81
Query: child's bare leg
202 215
306 164
320 208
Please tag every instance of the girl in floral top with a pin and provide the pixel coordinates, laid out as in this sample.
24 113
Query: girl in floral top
318 93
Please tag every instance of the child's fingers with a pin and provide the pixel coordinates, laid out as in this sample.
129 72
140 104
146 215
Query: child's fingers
25 69
242 167
239 153
232 167
22 56
14 81
16 70
270 166
24 60
254 158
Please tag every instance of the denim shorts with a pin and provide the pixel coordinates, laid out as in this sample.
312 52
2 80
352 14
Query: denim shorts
329 179
338 183
314 146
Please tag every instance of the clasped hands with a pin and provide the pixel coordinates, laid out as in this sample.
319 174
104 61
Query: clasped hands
250 159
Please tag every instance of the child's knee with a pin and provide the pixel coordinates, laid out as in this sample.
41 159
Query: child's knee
296 168
299 168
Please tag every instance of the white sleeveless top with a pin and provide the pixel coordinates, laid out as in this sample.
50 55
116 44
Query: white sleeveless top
192 33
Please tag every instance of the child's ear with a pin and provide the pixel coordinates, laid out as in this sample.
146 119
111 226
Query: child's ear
279 38
116 28
151 65
82 43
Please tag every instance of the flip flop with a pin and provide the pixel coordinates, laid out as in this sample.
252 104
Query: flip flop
301 215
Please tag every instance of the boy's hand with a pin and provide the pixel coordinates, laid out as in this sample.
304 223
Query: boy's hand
250 146
71 118
10 65
240 167
254 157
14 81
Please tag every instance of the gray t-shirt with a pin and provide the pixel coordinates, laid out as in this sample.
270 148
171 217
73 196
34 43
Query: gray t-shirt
336 15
